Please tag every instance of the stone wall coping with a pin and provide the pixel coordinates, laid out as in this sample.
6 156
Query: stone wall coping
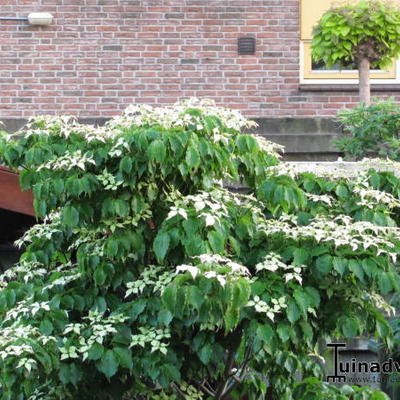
345 168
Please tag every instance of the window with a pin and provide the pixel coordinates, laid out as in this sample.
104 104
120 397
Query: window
311 12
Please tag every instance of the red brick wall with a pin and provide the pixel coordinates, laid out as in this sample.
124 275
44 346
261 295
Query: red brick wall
100 55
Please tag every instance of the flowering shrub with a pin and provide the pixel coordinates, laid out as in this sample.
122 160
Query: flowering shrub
146 279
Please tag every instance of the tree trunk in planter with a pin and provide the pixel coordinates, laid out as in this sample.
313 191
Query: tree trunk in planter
364 84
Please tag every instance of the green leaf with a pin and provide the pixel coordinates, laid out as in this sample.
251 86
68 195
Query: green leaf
284 332
192 157
313 296
64 374
100 304
383 329
265 333
112 247
136 308
99 276
205 354
324 264
79 302
291 364
156 151
69 373
161 245
231 318
356 267
58 186
169 297
108 364
350 328
40 207
70 216
124 357
216 241
46 327
293 312
235 244
195 297
251 143
126 164
301 300
11 297
300 256
379 396
25 179
385 283
67 301
121 207
342 191
173 372
370 268
339 265
346 389
345 30
95 351
375 180
307 330
164 317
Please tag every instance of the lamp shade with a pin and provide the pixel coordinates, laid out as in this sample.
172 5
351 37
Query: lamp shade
40 18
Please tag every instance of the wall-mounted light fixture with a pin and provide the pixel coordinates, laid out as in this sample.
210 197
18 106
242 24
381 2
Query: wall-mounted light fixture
34 18
40 18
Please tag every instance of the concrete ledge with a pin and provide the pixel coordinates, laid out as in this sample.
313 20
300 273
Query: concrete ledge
343 87
290 126
345 168
266 126
305 143
14 124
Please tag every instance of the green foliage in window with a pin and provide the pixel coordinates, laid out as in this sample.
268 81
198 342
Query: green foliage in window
349 32
372 129
366 33
146 279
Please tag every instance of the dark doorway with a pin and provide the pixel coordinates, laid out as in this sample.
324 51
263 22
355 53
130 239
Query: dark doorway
12 227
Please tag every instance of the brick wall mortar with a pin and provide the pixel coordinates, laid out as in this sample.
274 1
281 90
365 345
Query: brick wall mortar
101 55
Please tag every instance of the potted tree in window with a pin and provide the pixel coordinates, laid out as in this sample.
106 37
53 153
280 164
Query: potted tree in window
366 33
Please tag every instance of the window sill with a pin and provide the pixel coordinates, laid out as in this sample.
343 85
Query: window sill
340 87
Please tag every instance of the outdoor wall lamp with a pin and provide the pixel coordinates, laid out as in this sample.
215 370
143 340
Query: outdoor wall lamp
34 18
